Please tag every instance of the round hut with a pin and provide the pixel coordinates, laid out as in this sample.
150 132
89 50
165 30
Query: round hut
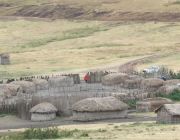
151 84
114 79
99 108
43 112
151 104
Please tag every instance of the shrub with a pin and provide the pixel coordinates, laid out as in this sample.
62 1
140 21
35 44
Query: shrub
41 133
84 134
132 103
175 95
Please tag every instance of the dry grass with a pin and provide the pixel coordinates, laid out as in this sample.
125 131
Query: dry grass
116 131
130 131
45 47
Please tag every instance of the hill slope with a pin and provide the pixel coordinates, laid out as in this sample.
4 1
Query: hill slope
127 10
39 45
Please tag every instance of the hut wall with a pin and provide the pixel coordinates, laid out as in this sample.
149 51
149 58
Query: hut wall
163 116
175 119
43 117
8 105
143 107
90 116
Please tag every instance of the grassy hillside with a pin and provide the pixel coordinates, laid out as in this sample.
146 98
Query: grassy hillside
115 32
162 10
51 46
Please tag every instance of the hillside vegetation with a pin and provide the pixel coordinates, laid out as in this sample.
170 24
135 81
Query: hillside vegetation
42 46
115 33
127 10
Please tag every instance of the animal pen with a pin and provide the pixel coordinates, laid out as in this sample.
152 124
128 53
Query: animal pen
63 92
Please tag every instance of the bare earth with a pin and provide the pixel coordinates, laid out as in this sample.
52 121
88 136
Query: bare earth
12 122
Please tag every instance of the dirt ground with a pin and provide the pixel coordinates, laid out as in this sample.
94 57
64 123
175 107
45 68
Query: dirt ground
13 122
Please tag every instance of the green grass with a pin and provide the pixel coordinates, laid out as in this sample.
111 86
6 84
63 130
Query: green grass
46 133
175 95
71 34
132 103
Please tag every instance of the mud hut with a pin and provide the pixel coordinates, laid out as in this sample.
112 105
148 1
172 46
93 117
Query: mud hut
114 79
4 59
43 112
168 113
151 104
99 108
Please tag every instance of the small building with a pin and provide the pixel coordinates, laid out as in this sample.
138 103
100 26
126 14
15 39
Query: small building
4 59
98 109
168 113
43 112
151 104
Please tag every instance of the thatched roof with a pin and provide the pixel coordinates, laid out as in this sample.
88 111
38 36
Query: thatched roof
114 78
99 105
27 87
152 83
44 108
9 90
41 84
158 101
172 109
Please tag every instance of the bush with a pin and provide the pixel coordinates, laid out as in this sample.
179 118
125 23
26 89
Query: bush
84 134
41 133
132 103
175 95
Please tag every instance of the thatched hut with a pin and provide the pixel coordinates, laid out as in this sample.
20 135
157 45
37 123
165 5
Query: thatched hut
151 84
99 108
62 81
27 87
4 59
167 89
43 112
114 79
40 84
168 113
9 90
151 104
133 82
131 96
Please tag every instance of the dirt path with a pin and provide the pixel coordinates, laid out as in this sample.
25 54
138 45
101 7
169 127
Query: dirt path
12 122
